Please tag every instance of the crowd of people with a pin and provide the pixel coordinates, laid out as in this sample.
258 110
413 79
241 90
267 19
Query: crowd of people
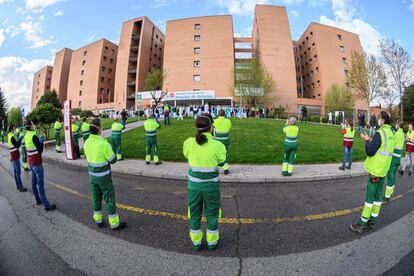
206 153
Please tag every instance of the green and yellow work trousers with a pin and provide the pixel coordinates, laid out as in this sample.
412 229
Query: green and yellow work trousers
151 148
116 145
289 156
391 178
58 140
373 200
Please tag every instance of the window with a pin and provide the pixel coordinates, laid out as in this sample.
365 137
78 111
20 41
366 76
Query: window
102 90
311 33
344 61
161 40
80 93
85 52
197 50
111 61
47 87
105 58
196 63
82 72
102 79
81 82
196 78
83 62
197 38
103 68
197 27
317 70
106 48
109 80
319 83
313 44
156 36
342 48
112 51
196 89
80 103
339 37
346 73
307 38
110 70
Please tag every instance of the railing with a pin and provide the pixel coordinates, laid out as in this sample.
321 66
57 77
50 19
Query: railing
136 37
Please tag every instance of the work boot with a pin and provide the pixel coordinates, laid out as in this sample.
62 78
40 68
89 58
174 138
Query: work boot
121 226
226 172
195 247
147 162
100 225
213 247
410 173
401 172
371 224
341 168
158 163
288 174
22 189
357 228
348 167
51 207
38 202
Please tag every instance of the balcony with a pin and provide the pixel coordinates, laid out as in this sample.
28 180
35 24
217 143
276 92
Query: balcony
133 71
244 55
133 59
136 37
132 83
134 48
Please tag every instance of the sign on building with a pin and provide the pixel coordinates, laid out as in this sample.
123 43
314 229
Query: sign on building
179 95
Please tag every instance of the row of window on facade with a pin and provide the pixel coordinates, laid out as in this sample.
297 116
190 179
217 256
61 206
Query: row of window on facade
338 36
106 49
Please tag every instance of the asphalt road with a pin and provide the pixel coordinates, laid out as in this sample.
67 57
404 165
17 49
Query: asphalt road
265 211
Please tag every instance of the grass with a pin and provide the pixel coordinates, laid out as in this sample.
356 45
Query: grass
252 141
105 124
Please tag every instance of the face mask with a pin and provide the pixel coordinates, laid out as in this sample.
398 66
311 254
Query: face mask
380 122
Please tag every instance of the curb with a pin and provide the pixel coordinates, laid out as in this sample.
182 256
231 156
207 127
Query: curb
223 179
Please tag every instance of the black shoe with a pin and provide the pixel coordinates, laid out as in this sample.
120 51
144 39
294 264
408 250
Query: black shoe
147 162
121 226
348 167
357 228
288 174
226 172
38 202
284 173
158 163
26 169
410 173
51 207
196 248
100 225
120 159
341 168
401 172
371 225
213 247
23 189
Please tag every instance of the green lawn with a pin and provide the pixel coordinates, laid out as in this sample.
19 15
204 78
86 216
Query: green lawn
252 141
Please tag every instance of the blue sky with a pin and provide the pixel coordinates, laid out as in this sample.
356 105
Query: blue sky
31 31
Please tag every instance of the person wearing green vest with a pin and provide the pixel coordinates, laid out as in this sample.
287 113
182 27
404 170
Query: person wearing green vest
379 150
14 143
222 127
85 130
34 153
204 155
57 128
290 146
396 160
100 156
349 134
116 135
151 125
75 140
21 133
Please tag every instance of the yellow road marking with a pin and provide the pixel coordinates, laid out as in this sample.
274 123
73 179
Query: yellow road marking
233 220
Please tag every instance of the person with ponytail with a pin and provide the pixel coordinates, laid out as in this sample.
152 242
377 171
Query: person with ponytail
204 155
349 134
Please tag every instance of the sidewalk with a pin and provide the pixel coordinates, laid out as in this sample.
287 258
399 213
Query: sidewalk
238 173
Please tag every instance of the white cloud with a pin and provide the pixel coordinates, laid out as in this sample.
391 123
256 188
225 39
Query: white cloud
411 6
294 13
4 1
16 77
58 13
40 4
242 7
160 3
2 37
345 18
33 32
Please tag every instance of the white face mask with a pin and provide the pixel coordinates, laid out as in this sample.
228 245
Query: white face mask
380 122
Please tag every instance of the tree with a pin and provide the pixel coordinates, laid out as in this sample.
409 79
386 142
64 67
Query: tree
76 111
339 98
86 114
367 77
399 64
44 116
389 97
154 83
49 97
3 106
408 103
253 82
14 116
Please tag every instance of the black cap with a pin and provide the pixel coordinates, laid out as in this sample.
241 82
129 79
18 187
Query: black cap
96 122
28 123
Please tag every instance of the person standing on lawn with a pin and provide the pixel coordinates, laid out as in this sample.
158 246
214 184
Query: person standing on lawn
116 135
396 160
204 155
124 117
349 134
56 128
14 143
75 140
166 114
100 156
379 150
34 153
290 146
373 125
409 151
222 127
151 125
85 130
